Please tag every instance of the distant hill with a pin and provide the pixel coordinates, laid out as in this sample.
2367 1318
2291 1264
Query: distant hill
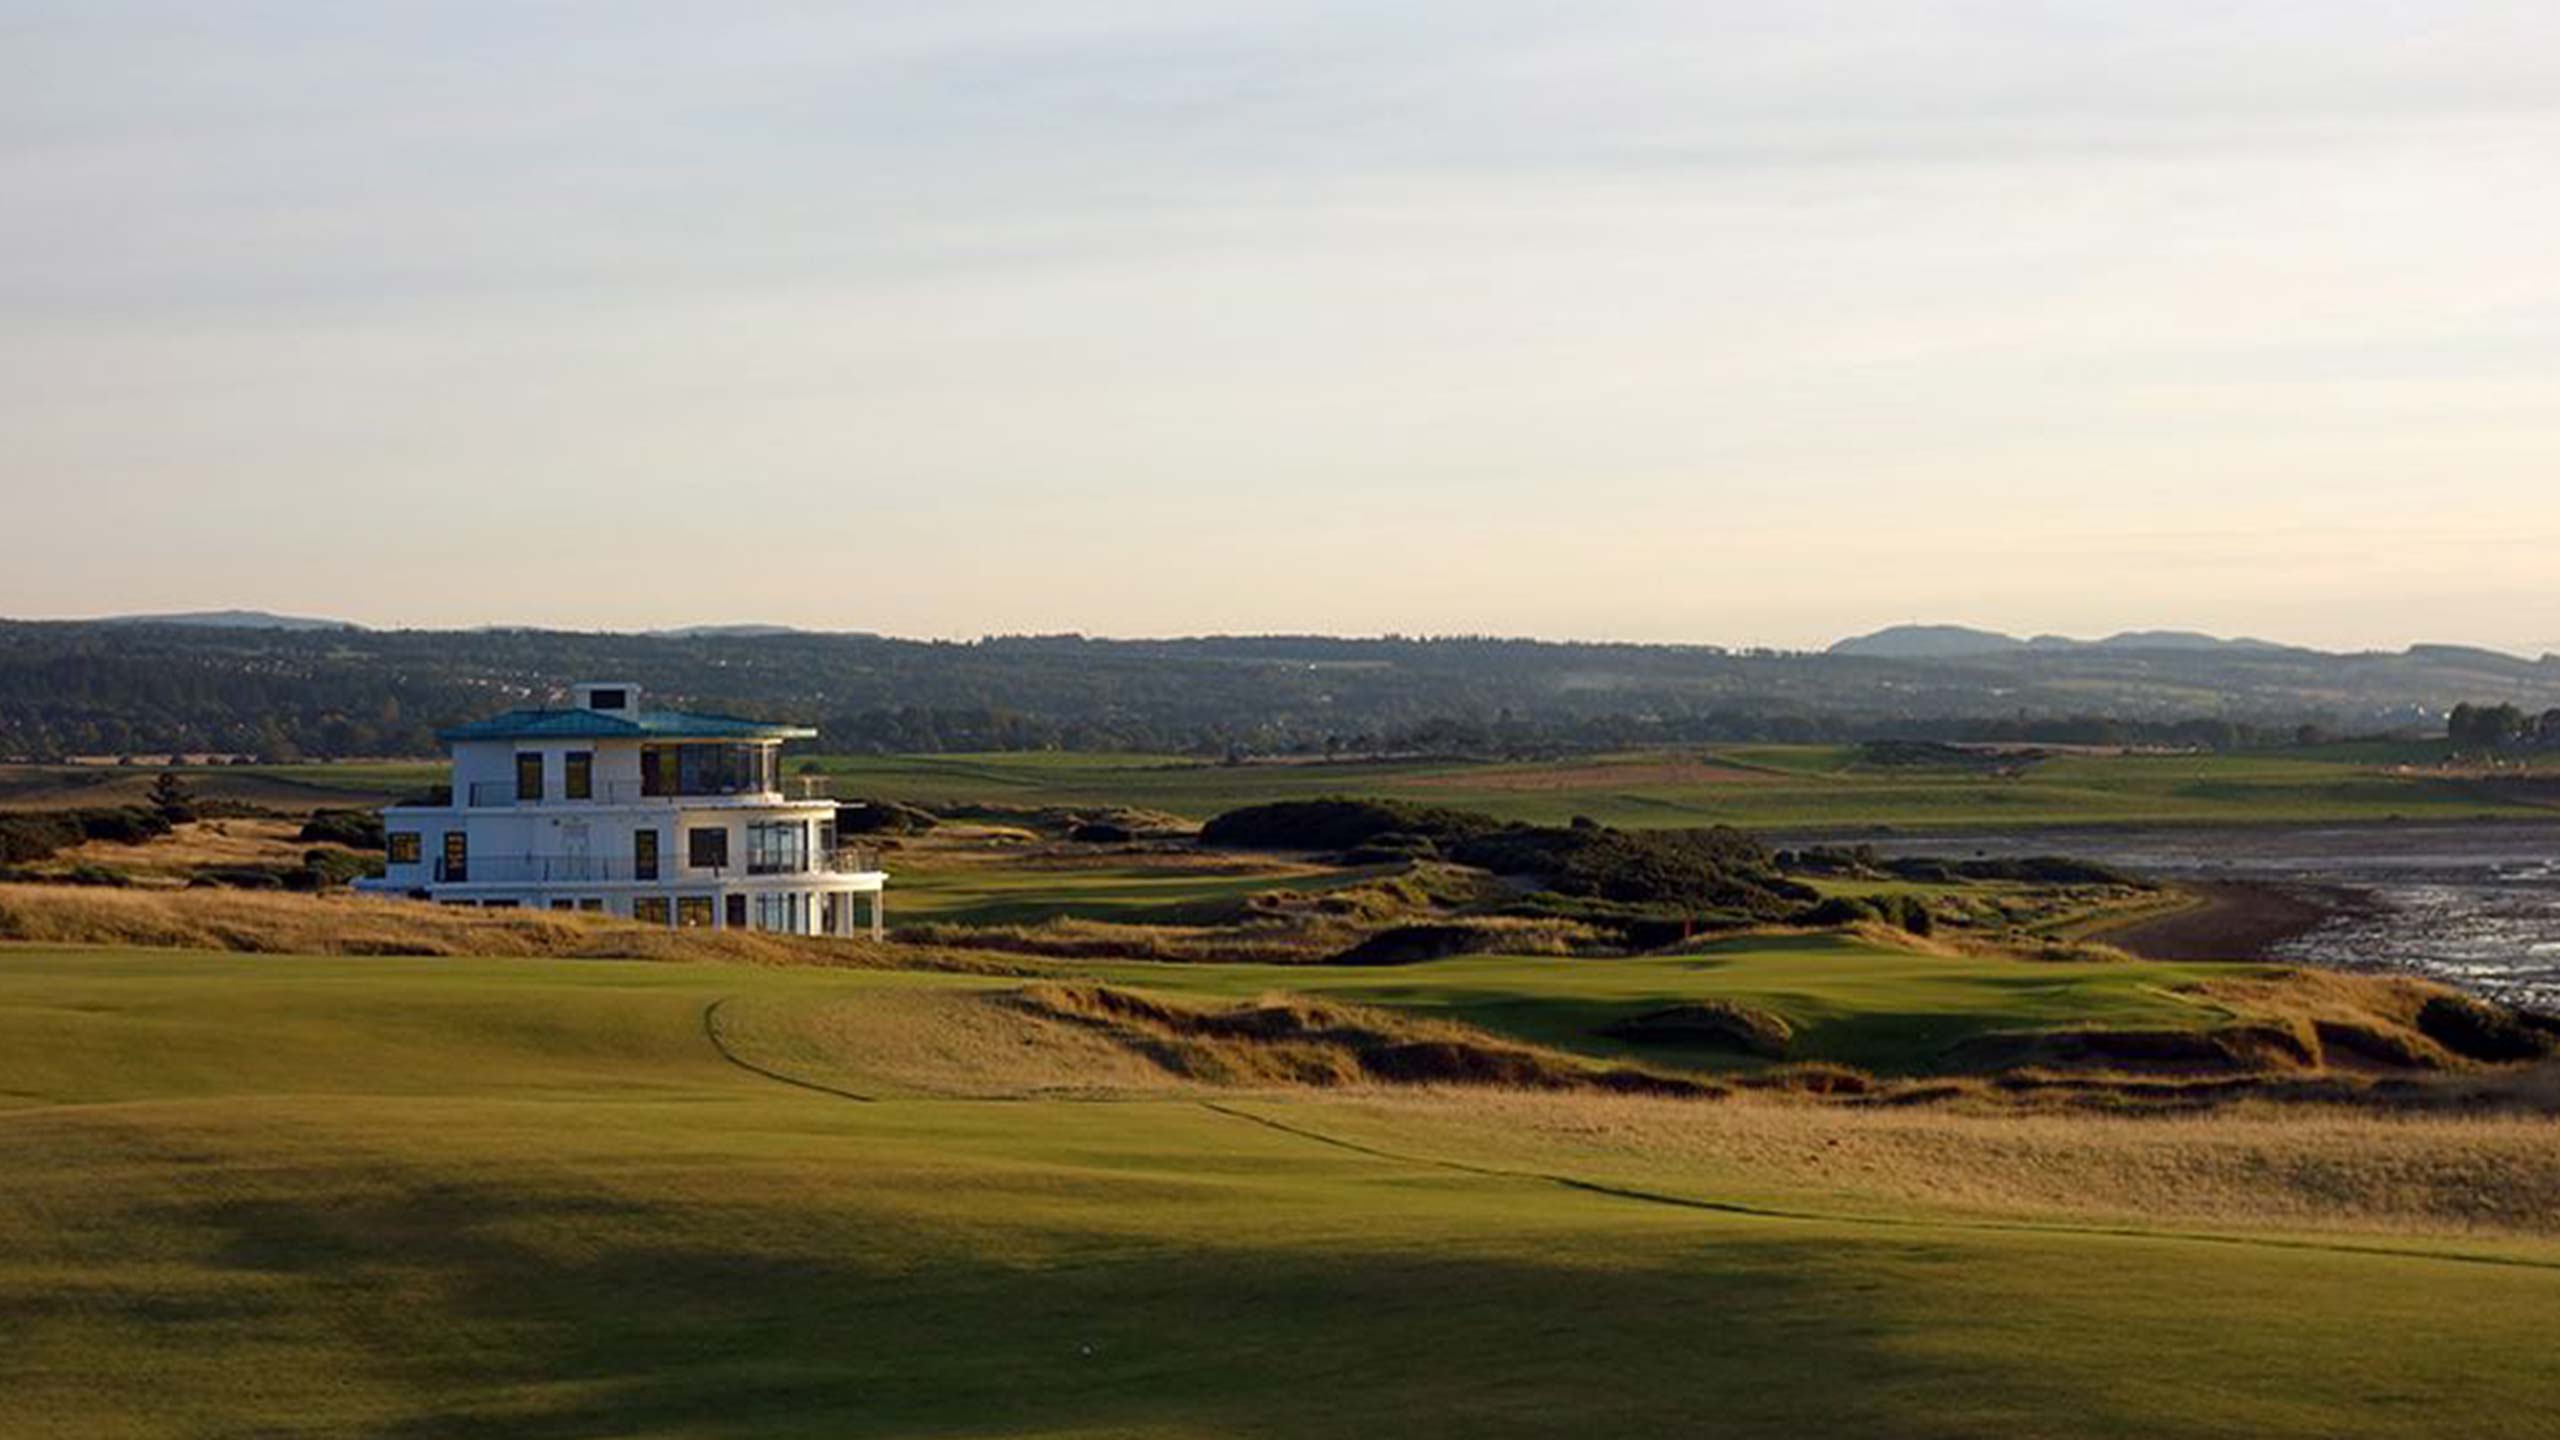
234 684
1927 642
723 632
2179 640
1955 642
233 620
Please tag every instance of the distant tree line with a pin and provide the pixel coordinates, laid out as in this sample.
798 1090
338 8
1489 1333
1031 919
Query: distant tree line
123 689
2492 727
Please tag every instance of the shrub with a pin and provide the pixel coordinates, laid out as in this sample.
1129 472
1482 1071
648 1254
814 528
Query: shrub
2032 869
1340 824
1838 910
1718 1024
1718 868
882 817
124 825
330 869
98 875
2478 1030
35 836
172 798
355 829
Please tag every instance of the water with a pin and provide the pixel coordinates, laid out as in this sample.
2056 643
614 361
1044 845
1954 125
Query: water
2474 905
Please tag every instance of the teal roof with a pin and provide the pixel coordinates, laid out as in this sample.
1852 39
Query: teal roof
638 725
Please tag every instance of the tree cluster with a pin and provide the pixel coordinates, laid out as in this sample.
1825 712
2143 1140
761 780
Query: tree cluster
2495 727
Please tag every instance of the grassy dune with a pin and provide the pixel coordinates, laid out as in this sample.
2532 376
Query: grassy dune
419 1197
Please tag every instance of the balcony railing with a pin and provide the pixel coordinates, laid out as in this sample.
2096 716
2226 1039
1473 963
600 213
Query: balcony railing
501 795
608 869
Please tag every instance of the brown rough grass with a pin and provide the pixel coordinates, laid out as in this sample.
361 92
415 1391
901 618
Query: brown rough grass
1293 1040
197 845
270 924
2309 1167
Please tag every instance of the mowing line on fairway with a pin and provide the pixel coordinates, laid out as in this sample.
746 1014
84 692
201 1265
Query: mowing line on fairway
711 1032
1766 1212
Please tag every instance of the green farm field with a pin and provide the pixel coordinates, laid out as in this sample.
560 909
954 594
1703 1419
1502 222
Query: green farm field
412 1197
1766 787
1772 787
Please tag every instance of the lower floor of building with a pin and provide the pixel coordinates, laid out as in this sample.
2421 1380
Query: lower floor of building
780 909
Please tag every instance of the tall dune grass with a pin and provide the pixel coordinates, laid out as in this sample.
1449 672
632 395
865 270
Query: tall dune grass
214 919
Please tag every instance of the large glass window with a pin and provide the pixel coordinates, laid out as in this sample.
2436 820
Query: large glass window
693 912
529 775
649 909
785 912
707 847
778 847
707 769
578 775
736 912
457 857
644 855
401 847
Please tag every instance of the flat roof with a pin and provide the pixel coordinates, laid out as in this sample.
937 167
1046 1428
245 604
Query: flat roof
572 724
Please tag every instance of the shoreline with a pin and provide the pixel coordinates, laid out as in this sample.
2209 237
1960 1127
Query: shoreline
2234 920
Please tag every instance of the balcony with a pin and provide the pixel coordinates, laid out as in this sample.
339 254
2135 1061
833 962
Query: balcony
501 795
618 869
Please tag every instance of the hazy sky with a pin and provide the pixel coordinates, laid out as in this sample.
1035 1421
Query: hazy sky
1743 323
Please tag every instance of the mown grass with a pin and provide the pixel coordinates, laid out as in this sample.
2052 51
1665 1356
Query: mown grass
534 1198
994 888
1849 1001
1765 786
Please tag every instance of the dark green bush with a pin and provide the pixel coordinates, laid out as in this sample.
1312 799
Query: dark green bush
1838 910
1340 824
2030 869
2478 1030
355 829
882 817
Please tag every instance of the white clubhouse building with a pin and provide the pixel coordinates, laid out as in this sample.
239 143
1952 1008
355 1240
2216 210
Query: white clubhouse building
650 815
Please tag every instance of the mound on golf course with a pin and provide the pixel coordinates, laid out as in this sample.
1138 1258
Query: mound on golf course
281 1196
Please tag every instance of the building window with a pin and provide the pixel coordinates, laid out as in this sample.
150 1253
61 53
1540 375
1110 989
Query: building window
658 770
706 769
644 855
707 847
607 699
649 909
590 905
564 904
736 919
777 847
529 776
578 775
498 904
784 912
831 914
401 846
457 857
693 912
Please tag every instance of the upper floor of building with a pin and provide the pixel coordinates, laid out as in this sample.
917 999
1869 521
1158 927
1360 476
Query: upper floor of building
605 749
